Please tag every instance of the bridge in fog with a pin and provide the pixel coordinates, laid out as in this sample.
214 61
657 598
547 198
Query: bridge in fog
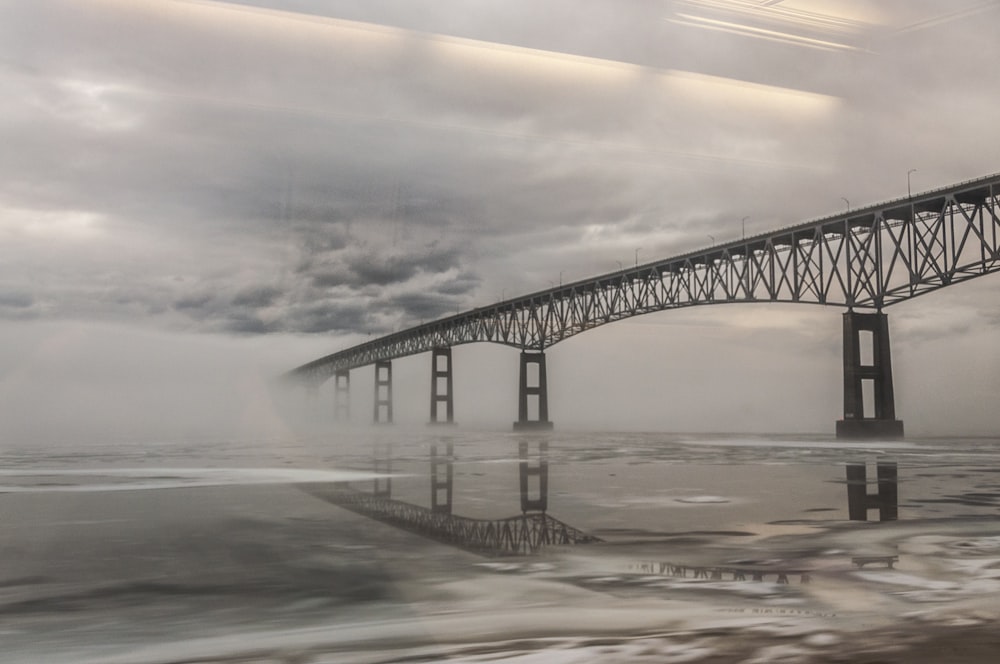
864 260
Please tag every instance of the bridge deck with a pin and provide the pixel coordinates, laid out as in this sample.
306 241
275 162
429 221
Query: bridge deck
871 257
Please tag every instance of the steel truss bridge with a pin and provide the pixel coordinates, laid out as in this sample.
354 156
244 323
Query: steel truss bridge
517 535
869 258
759 574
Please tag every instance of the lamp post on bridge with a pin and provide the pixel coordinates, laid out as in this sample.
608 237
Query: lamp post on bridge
909 194
744 226
844 198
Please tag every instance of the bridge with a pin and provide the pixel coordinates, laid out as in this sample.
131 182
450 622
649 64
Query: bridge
863 260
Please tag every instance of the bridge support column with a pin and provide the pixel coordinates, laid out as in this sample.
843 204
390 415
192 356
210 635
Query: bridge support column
875 378
442 386
532 393
342 395
527 471
383 392
442 489
859 501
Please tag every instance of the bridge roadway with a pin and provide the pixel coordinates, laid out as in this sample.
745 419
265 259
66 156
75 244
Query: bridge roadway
864 259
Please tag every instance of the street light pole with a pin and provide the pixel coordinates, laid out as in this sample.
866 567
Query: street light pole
745 227
637 257
908 173
843 198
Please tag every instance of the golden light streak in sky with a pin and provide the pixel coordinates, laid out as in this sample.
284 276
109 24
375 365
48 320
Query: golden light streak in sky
762 33
498 59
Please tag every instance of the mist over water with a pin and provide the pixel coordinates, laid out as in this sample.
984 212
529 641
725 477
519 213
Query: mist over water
164 501
239 550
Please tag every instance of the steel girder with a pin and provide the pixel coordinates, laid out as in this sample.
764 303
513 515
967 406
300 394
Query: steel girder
868 258
517 535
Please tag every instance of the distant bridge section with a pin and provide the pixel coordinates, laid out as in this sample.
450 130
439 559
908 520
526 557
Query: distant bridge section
867 259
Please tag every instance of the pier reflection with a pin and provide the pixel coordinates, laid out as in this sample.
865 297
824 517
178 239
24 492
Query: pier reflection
533 466
720 573
885 499
382 465
442 490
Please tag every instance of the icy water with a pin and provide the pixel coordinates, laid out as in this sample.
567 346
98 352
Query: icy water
238 551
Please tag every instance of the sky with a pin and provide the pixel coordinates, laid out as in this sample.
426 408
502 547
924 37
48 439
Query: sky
196 196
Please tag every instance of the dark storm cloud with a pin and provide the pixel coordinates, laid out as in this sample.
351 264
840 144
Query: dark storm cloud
195 302
256 298
258 172
383 270
421 306
462 284
333 317
15 300
248 325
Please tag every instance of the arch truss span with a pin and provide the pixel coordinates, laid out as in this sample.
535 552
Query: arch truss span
868 258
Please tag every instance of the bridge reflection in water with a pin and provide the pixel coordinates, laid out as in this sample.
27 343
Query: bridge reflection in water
682 571
522 534
535 529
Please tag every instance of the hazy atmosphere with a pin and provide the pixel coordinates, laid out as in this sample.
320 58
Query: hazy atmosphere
196 196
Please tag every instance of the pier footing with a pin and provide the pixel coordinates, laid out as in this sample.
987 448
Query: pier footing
533 426
858 429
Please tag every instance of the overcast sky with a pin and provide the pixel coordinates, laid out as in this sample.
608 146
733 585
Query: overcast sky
278 180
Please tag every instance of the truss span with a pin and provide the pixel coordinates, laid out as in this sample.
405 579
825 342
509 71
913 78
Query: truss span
521 535
868 258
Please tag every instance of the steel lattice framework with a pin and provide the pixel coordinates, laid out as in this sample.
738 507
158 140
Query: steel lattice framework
517 535
868 258
680 571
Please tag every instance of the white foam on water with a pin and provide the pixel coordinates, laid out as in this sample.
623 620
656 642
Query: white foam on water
134 479
811 444
900 579
667 501
704 500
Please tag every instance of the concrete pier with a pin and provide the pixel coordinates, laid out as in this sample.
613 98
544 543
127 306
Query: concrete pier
533 399
868 368
383 392
442 387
